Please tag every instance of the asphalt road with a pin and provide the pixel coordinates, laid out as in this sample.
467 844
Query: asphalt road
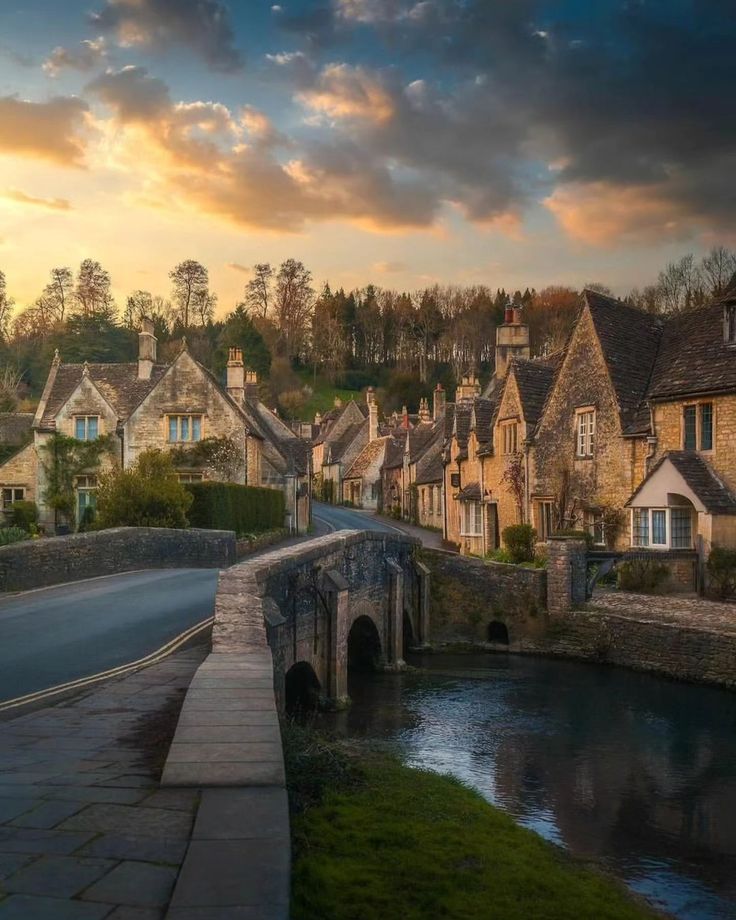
338 518
54 635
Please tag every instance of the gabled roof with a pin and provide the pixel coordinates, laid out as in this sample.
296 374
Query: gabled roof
706 486
293 450
534 381
395 450
371 453
118 384
419 439
341 443
429 466
629 340
693 357
482 420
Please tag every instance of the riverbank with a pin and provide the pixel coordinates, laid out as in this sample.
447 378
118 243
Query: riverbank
374 838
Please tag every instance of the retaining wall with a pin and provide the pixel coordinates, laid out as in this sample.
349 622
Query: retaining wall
53 560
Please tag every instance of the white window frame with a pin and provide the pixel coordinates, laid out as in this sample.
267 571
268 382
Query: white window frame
190 418
8 503
667 510
592 520
191 476
471 517
85 420
585 431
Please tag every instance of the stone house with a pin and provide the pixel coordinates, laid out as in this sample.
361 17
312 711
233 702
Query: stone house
146 404
15 435
343 433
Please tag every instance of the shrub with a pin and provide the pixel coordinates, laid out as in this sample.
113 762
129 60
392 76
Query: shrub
24 515
147 494
643 575
520 540
228 506
577 535
10 535
721 568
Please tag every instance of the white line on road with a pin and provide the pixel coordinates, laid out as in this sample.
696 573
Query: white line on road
323 521
122 669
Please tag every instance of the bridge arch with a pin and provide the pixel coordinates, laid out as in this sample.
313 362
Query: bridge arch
498 633
365 651
302 688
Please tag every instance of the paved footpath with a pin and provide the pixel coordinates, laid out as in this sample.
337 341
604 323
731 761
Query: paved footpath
688 612
85 831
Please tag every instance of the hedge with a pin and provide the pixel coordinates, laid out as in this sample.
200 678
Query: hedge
227 506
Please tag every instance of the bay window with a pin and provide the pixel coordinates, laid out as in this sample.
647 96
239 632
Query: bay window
662 528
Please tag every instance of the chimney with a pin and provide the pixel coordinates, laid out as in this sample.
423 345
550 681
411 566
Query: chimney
424 415
252 390
235 375
338 402
469 387
512 341
372 420
405 417
370 396
439 399
317 418
146 349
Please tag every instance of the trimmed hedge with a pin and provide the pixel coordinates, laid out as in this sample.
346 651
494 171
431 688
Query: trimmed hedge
228 506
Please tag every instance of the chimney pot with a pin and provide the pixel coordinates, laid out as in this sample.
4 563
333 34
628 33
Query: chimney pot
508 315
516 315
147 346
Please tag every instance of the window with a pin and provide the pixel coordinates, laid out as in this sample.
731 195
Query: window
437 500
185 428
86 427
423 493
662 528
697 427
510 434
595 526
11 495
86 498
586 433
472 519
544 519
729 324
191 477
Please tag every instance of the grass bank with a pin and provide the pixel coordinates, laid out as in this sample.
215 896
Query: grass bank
376 840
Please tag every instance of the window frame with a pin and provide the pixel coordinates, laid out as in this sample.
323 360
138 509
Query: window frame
509 438
85 420
472 513
545 512
178 418
699 410
650 528
189 476
7 505
585 437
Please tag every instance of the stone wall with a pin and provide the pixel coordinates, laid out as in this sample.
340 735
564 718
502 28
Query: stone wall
53 560
467 594
663 648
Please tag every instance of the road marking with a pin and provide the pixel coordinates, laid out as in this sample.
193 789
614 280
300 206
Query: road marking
171 646
318 518
15 595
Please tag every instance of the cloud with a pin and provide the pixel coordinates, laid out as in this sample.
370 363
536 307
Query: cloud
237 267
201 25
389 268
132 93
85 58
52 204
50 130
342 91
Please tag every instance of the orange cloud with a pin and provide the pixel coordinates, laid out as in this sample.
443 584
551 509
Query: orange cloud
48 130
601 213
52 204
343 91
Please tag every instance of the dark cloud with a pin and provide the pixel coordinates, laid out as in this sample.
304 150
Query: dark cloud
201 25
86 57
133 94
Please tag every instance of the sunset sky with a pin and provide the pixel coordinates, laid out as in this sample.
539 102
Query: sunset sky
508 142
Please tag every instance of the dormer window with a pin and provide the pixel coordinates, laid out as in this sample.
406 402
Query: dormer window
729 324
86 427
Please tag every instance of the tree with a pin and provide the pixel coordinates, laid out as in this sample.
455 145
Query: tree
717 268
258 289
294 297
190 290
6 306
240 332
57 296
137 305
10 378
681 286
92 294
203 304
147 494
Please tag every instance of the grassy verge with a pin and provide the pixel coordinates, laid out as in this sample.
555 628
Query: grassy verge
375 839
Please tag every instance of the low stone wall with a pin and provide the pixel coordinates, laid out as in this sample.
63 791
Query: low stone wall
467 594
673 650
246 546
53 560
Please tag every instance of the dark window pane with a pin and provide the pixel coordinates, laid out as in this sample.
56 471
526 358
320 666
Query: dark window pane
706 426
690 429
681 528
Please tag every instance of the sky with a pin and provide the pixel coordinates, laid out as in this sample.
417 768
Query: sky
399 142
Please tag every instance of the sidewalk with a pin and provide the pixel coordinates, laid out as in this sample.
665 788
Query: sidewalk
431 539
85 831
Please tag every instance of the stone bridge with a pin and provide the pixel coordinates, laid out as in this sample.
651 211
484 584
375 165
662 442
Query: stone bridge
288 625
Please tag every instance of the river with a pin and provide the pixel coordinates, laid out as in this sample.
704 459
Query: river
632 771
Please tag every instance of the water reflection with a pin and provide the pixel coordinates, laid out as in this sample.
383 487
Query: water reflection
627 769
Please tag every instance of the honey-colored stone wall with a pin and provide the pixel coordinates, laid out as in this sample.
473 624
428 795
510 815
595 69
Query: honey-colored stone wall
20 471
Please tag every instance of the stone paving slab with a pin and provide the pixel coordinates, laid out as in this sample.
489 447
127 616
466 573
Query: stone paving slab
688 612
85 830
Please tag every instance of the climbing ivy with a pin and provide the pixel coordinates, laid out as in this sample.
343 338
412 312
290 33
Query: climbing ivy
65 458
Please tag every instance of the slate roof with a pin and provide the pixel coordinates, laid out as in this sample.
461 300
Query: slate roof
629 339
373 451
534 380
484 410
395 451
471 493
340 445
419 440
15 427
294 450
429 467
118 383
693 357
714 495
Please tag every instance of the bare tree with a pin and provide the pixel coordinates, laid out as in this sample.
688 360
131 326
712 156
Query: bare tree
717 268
92 290
190 283
294 297
56 296
6 306
681 285
10 378
137 305
258 289
203 305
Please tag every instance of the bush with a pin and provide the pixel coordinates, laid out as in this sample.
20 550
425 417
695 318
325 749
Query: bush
10 535
519 540
577 535
228 506
721 568
642 575
24 515
147 494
